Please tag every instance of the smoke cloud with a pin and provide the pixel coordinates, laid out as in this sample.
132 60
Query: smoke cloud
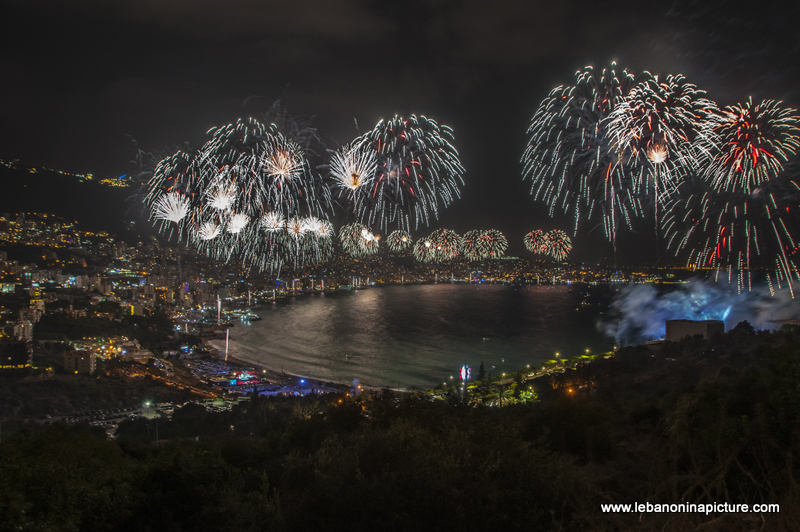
638 312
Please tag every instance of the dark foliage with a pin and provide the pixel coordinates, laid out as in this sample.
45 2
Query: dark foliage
692 421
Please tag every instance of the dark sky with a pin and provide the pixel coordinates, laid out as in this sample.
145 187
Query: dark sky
79 80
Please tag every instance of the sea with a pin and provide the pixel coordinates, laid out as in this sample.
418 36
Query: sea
417 336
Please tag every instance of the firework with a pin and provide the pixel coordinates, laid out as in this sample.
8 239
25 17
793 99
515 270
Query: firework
417 172
241 196
446 243
559 244
481 245
325 230
358 241
571 160
221 195
172 207
208 231
425 250
353 167
293 247
236 223
536 241
738 233
296 227
492 243
469 245
273 222
399 241
660 130
755 142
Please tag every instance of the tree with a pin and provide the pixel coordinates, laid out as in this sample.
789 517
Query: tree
481 372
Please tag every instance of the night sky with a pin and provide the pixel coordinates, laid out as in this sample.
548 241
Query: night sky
80 80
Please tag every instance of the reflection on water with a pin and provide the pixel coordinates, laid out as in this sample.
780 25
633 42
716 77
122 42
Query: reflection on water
415 336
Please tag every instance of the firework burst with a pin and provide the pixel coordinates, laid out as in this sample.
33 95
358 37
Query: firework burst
238 191
208 231
273 222
660 130
425 251
417 172
559 245
469 245
492 243
172 207
571 160
738 234
481 245
353 167
755 142
446 243
399 241
358 241
536 241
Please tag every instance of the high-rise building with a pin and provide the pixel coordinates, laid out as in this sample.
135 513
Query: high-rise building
23 330
79 362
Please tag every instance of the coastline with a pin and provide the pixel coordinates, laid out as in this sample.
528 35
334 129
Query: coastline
431 335
237 359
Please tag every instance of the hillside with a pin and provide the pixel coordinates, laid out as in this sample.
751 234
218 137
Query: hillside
96 207
695 421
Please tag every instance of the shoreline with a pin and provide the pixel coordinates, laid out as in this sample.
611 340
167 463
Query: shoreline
271 359
244 361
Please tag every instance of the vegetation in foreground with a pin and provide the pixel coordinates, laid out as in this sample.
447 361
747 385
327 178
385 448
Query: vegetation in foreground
694 421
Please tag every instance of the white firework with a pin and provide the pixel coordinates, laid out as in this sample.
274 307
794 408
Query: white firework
367 235
221 196
235 194
296 227
172 207
273 222
661 129
325 230
311 224
283 160
354 166
208 231
237 222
